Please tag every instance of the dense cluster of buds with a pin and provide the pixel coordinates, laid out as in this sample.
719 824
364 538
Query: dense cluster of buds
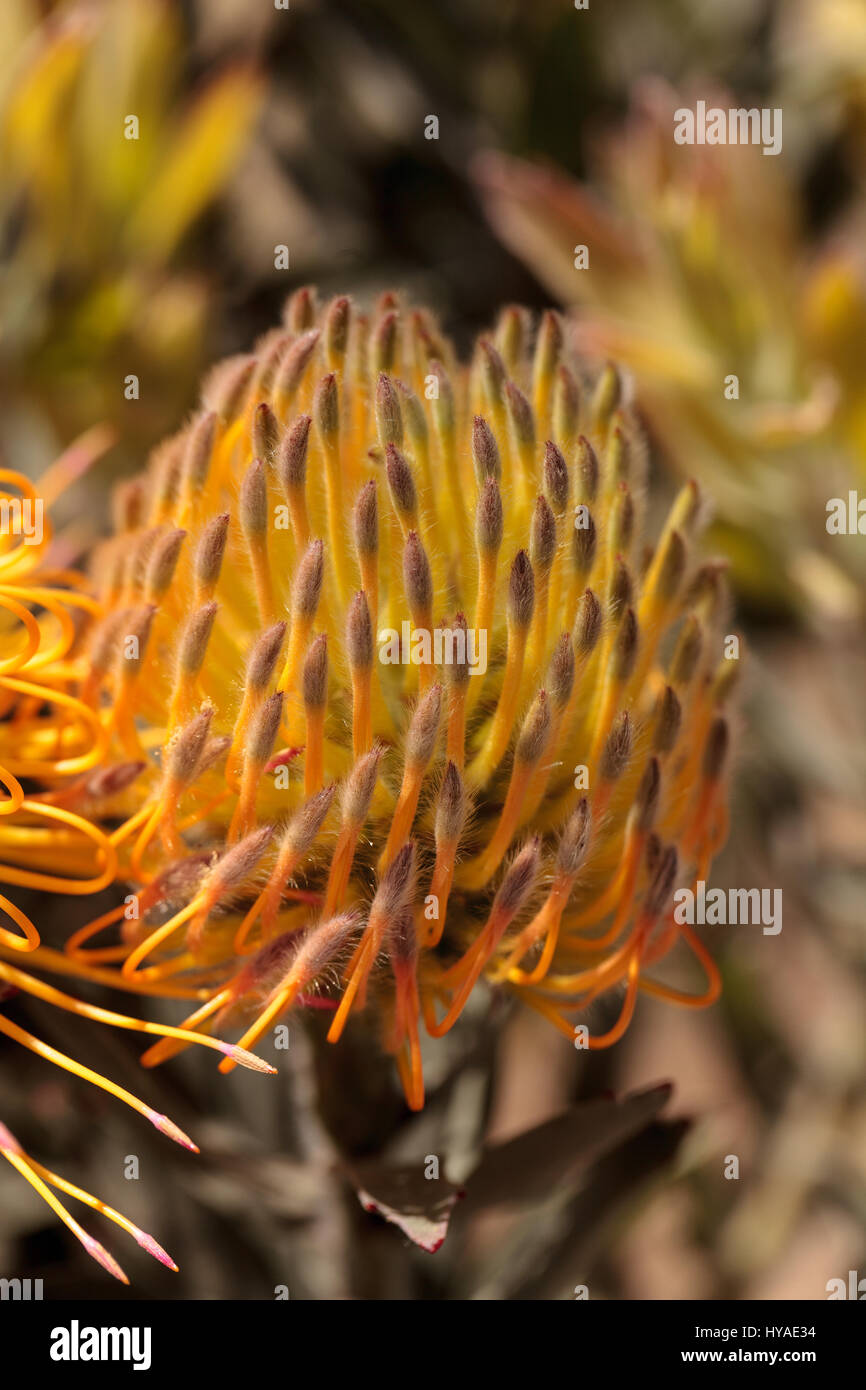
304 822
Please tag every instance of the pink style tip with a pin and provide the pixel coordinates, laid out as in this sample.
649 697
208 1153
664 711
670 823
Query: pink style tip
101 1255
173 1131
155 1249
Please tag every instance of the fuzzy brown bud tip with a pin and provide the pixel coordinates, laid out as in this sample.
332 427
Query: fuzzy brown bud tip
511 333
253 508
574 842
365 520
451 807
292 463
210 551
389 418
294 364
236 865
163 562
457 668
533 736
493 374
326 408
549 343
485 452
519 881
618 455
416 575
266 433
556 481
617 749
359 633
264 726
647 799
587 625
108 781
521 591
395 890
307 588
383 346
215 751
305 824
622 519
663 881
668 719
673 566
520 416
587 470
264 656
315 675
337 329
184 752
423 728
400 481
621 590
560 672
322 944
359 786
626 646
542 536
300 309
489 521
716 749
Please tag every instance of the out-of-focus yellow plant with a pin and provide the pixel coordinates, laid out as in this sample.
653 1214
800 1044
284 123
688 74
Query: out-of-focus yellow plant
697 273
821 53
90 220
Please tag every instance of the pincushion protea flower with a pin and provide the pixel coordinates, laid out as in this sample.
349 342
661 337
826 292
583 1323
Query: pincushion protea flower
211 720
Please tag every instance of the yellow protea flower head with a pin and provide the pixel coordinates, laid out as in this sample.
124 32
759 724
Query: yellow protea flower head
377 689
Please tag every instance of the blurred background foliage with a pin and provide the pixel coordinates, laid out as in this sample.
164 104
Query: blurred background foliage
306 128
97 281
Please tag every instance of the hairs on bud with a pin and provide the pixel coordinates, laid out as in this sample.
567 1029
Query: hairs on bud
315 674
521 591
575 839
423 727
233 868
359 786
185 750
359 633
485 452
264 656
210 551
451 806
489 521
519 881
617 749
